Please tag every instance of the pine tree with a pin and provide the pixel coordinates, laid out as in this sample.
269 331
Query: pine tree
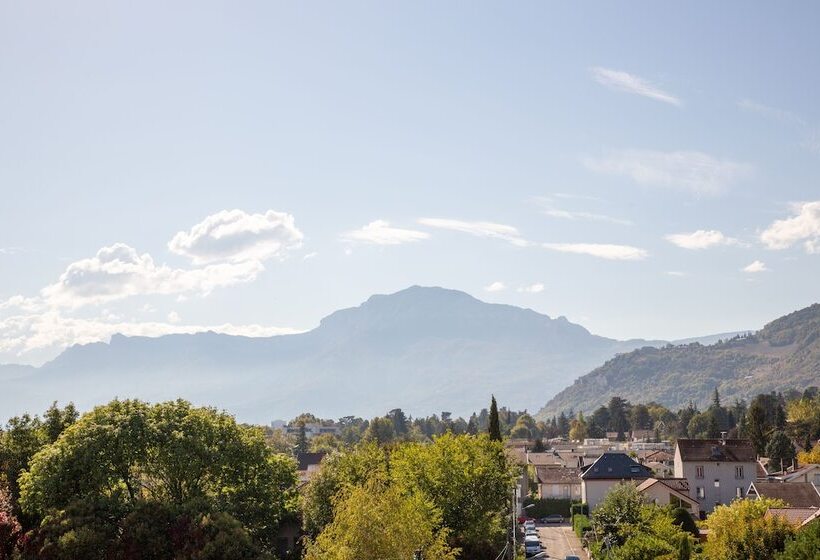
494 427
301 439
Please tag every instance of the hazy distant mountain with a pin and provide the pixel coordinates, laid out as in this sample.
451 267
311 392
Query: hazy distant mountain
422 349
784 354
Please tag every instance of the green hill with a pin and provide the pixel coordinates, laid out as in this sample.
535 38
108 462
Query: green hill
784 354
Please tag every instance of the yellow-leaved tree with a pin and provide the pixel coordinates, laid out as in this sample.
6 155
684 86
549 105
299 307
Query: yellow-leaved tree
379 522
743 531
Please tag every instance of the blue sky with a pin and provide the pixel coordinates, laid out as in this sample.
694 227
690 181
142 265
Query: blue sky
646 170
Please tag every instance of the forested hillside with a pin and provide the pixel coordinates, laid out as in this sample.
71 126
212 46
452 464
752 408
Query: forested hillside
784 354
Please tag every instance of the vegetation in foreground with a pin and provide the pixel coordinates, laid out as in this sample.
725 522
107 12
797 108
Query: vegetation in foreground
132 480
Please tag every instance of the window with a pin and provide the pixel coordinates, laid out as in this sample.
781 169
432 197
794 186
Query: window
739 492
738 472
699 471
717 483
701 492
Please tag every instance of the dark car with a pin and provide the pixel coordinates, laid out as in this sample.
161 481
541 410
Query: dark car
554 518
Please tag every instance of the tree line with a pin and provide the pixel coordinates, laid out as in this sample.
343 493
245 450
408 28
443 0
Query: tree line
133 480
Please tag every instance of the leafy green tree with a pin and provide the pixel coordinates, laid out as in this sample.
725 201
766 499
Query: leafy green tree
399 419
22 438
128 452
618 415
756 426
302 445
640 418
805 545
618 513
494 428
339 473
376 522
780 451
578 428
468 480
380 431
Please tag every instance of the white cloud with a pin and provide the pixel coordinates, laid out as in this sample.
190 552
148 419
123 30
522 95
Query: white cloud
700 239
756 266
770 112
677 273
570 215
696 172
236 236
536 288
380 232
174 318
118 272
803 226
495 287
10 250
309 256
47 333
630 83
600 250
479 229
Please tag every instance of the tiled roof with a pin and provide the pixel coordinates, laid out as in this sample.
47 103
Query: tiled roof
618 466
794 515
715 450
558 475
795 494
679 486
547 458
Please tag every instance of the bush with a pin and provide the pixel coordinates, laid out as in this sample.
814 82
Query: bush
683 519
581 524
578 508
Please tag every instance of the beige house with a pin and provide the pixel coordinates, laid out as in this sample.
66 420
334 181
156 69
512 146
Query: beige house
669 491
718 470
558 482
806 473
610 469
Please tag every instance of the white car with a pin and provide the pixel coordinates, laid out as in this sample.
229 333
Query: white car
532 545
529 524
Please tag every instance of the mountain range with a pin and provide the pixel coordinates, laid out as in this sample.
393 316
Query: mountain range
422 349
784 354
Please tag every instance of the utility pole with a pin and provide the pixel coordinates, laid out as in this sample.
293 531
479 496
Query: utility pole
514 527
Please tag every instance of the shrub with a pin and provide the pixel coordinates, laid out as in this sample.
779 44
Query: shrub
581 524
578 508
683 519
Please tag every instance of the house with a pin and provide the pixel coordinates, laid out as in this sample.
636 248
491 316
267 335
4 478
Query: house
718 470
308 464
609 469
806 473
794 494
558 482
545 458
312 429
669 491
641 435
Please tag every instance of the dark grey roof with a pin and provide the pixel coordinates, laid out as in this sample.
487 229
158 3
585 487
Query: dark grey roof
307 459
719 451
619 466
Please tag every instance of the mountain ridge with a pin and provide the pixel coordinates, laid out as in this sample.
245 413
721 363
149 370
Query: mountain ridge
784 354
424 349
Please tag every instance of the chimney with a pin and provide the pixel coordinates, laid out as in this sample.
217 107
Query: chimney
723 438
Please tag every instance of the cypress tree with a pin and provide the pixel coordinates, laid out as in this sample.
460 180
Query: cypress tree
494 428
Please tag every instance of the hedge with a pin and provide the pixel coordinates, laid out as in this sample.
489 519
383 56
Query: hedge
544 507
581 524
578 508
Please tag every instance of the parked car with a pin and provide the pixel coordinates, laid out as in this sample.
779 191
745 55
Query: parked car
571 558
529 524
532 545
532 531
554 518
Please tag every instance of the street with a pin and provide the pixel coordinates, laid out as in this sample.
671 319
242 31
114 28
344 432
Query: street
559 541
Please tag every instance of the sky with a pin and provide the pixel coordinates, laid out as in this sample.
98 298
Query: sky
644 169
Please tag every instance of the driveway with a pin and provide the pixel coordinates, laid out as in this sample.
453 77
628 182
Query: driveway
560 541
